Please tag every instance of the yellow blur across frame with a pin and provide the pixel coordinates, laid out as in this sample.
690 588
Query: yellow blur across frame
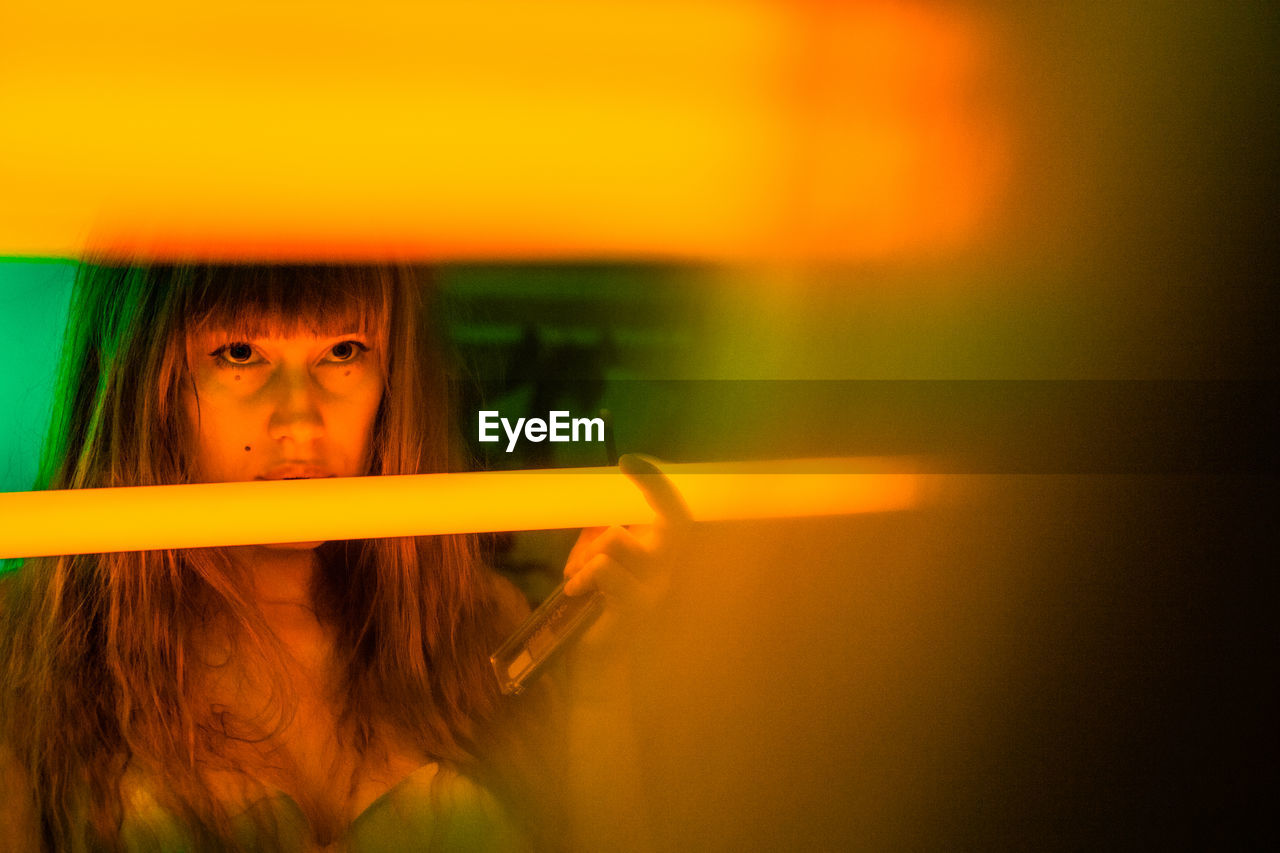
640 129
87 521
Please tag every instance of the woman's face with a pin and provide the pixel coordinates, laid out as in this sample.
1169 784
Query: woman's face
284 406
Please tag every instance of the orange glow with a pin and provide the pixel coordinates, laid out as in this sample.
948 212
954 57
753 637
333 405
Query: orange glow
85 521
566 128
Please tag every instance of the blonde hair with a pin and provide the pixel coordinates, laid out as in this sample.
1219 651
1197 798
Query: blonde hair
97 650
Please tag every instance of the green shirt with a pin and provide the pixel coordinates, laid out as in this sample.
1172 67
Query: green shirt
414 815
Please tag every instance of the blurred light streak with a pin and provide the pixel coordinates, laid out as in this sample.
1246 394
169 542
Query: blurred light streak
654 129
87 521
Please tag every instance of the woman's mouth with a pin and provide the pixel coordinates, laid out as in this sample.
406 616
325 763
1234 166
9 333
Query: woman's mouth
296 472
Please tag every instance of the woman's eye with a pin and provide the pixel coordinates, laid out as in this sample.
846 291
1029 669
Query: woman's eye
235 354
347 350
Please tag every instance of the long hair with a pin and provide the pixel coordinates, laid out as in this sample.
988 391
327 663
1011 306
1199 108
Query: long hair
97 650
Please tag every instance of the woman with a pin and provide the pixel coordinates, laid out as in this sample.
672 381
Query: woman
269 697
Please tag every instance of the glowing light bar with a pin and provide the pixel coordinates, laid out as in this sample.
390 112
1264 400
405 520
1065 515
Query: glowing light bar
446 130
85 521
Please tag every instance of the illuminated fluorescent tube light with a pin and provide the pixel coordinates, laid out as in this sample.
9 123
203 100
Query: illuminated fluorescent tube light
86 521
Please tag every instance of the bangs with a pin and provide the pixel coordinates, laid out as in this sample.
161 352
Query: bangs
261 301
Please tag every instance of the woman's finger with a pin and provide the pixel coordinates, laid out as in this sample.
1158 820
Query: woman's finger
624 546
658 490
618 542
620 588
582 550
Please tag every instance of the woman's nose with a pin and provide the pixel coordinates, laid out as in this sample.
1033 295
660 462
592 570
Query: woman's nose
296 414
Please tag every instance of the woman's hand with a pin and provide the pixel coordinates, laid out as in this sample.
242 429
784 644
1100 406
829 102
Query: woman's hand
629 567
